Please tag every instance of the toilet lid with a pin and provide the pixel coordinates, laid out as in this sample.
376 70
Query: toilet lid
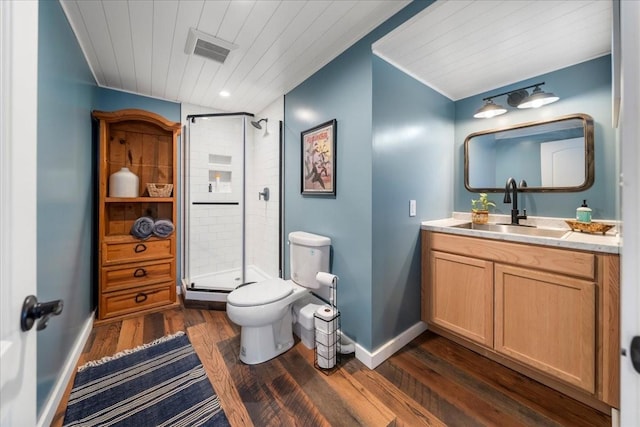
260 293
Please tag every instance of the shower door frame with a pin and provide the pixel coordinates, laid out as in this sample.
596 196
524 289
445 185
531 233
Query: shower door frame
186 203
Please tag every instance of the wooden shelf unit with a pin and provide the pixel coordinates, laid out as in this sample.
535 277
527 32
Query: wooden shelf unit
135 276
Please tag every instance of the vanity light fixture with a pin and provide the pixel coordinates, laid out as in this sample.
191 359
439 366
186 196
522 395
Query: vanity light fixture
519 98
538 98
489 109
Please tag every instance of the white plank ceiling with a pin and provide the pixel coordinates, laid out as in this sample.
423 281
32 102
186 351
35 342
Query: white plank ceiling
138 46
458 47
464 47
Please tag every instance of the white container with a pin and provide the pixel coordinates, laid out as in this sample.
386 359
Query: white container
123 183
304 328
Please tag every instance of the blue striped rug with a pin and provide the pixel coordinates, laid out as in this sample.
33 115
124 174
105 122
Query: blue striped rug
162 383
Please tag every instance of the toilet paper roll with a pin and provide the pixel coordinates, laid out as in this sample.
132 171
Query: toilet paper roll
326 363
326 351
326 279
327 339
325 319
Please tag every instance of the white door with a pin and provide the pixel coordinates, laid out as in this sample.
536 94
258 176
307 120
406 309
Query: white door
630 138
18 140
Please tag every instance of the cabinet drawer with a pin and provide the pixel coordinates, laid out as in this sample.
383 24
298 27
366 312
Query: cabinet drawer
117 253
139 274
119 303
574 263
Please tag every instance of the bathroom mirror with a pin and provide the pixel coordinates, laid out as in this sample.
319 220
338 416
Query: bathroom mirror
551 156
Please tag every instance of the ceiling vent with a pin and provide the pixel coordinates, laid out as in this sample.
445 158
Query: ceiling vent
208 46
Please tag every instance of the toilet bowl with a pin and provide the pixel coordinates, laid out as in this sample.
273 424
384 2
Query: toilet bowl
263 309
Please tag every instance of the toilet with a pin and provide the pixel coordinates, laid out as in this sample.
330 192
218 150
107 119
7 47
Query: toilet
263 309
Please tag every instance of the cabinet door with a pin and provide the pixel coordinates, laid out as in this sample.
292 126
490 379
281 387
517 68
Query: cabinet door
548 322
461 296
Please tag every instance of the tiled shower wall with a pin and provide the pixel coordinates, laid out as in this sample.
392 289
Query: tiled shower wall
263 170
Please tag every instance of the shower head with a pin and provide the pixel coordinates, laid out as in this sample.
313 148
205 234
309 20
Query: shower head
257 125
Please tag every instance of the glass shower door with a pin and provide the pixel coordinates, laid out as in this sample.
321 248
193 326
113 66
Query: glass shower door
215 257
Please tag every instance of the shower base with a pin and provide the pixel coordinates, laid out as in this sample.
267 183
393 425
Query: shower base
216 286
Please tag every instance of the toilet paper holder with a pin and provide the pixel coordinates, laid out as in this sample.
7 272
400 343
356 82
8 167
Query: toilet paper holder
327 354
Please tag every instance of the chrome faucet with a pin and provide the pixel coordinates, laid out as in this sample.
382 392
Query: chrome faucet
512 186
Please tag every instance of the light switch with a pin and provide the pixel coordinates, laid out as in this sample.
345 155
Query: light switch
412 208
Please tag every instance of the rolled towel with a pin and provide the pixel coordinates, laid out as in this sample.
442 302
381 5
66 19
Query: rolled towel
142 228
163 228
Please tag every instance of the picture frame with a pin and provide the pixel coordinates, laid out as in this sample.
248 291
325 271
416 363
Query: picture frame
318 159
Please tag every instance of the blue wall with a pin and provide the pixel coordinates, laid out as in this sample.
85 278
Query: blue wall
582 88
66 92
342 90
412 160
112 100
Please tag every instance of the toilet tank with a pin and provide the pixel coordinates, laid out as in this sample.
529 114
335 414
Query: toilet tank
308 254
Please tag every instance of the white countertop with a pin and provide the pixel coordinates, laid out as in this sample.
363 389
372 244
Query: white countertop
608 243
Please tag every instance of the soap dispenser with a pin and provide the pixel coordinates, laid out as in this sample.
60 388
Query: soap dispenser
583 213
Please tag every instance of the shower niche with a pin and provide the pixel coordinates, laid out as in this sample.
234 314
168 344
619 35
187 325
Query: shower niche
230 235
220 176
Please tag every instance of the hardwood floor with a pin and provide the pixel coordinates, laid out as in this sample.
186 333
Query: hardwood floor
430 382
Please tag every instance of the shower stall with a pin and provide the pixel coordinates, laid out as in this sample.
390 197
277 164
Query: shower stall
231 206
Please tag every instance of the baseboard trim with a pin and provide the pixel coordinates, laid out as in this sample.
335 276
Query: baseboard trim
51 406
373 359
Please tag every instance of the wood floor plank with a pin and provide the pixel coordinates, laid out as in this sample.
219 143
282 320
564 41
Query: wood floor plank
513 390
104 342
295 404
200 336
363 405
409 413
330 404
453 392
425 396
173 321
259 402
153 327
222 327
192 317
131 334
501 399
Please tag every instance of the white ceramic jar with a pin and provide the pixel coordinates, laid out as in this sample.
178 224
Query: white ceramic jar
123 183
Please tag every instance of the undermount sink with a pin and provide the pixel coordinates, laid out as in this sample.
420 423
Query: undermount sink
514 229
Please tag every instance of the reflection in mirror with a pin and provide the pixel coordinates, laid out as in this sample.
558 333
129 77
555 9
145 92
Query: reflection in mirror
550 155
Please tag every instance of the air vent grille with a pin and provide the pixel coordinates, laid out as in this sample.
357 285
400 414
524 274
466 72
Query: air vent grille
211 51
208 46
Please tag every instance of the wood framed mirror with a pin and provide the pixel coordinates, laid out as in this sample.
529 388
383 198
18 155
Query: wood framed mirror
554 155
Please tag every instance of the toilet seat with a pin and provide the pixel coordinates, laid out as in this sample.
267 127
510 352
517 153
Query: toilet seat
261 293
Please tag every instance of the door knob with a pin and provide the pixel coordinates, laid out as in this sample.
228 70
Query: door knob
635 353
33 310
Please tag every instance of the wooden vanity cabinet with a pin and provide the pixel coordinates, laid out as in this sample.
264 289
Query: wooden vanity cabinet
135 276
550 313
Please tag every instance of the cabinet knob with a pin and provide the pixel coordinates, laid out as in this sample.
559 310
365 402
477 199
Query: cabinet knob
140 272
140 247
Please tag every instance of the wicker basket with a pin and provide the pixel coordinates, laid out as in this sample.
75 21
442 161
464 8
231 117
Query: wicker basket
589 227
159 190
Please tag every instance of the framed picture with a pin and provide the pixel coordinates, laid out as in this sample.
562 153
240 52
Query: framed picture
319 159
